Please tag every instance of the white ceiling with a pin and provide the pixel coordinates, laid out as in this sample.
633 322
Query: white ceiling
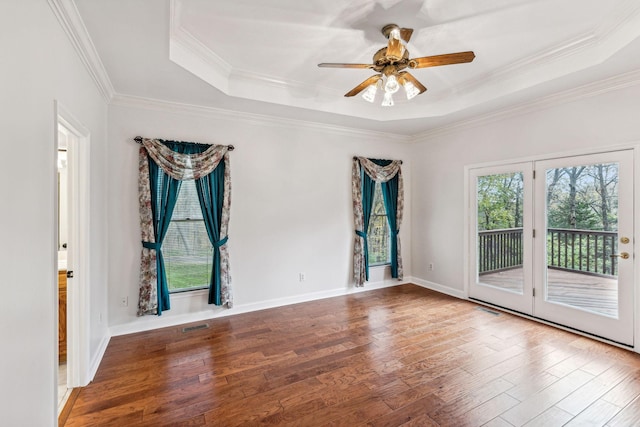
261 56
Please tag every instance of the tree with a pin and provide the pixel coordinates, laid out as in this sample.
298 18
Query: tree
573 174
583 197
606 182
500 201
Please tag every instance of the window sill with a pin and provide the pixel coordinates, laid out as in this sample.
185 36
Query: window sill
189 292
386 264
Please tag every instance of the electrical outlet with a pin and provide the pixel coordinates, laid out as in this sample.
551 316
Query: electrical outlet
124 301
302 277
430 266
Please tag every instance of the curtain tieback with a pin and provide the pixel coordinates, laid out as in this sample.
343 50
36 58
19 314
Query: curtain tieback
220 242
366 249
151 245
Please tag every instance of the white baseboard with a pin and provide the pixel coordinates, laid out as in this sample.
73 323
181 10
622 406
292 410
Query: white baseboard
438 288
148 323
97 357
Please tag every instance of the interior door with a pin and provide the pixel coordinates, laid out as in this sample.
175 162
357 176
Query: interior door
584 244
501 238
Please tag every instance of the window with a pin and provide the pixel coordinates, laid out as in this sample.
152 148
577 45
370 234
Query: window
186 248
378 233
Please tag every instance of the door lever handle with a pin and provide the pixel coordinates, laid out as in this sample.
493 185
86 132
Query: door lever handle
623 255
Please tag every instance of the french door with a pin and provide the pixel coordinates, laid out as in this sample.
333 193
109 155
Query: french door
554 239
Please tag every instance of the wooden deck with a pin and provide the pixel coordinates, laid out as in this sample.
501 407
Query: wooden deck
401 356
594 293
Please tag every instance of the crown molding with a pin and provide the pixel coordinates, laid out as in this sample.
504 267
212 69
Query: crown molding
190 53
250 118
621 26
67 14
589 90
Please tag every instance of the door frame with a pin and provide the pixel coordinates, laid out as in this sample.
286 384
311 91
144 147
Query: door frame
467 273
78 298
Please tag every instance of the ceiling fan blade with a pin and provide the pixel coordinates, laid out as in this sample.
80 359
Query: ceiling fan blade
370 81
446 59
405 34
339 65
406 76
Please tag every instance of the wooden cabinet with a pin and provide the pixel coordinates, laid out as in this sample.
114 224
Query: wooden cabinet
62 316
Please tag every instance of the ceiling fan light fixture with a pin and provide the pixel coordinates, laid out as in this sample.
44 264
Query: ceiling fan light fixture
369 94
411 90
391 85
387 101
389 64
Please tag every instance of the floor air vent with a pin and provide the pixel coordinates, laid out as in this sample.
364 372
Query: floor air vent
195 328
486 310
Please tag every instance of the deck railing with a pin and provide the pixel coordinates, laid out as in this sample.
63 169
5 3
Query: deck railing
499 249
583 251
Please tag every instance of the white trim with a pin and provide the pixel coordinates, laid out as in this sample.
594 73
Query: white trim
54 285
73 25
582 51
98 356
630 145
249 118
148 323
190 53
610 84
457 293
636 242
78 297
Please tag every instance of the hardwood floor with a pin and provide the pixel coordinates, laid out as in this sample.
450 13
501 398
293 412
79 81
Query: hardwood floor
402 356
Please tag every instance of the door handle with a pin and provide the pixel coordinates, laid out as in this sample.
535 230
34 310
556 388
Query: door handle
623 255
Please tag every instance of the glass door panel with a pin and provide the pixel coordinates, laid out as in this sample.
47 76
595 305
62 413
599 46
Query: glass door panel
500 206
586 282
582 236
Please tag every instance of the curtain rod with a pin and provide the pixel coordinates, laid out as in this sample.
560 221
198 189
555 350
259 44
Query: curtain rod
138 139
356 158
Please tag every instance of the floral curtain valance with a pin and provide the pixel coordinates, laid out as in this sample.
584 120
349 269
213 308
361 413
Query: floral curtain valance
184 166
389 174
380 173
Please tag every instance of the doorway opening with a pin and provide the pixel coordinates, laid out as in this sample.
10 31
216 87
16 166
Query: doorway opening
65 139
553 239
72 237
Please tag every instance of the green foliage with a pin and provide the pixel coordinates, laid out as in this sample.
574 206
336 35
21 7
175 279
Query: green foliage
183 275
582 217
559 216
583 198
499 201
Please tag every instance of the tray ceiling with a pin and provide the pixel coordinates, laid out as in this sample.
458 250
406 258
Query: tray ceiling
262 56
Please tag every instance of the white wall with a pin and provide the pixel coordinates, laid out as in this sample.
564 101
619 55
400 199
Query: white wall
38 67
291 208
438 168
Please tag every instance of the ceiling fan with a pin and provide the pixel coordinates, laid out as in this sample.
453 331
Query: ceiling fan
390 61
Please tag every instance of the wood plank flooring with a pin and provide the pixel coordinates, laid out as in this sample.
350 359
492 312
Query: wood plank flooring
401 356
